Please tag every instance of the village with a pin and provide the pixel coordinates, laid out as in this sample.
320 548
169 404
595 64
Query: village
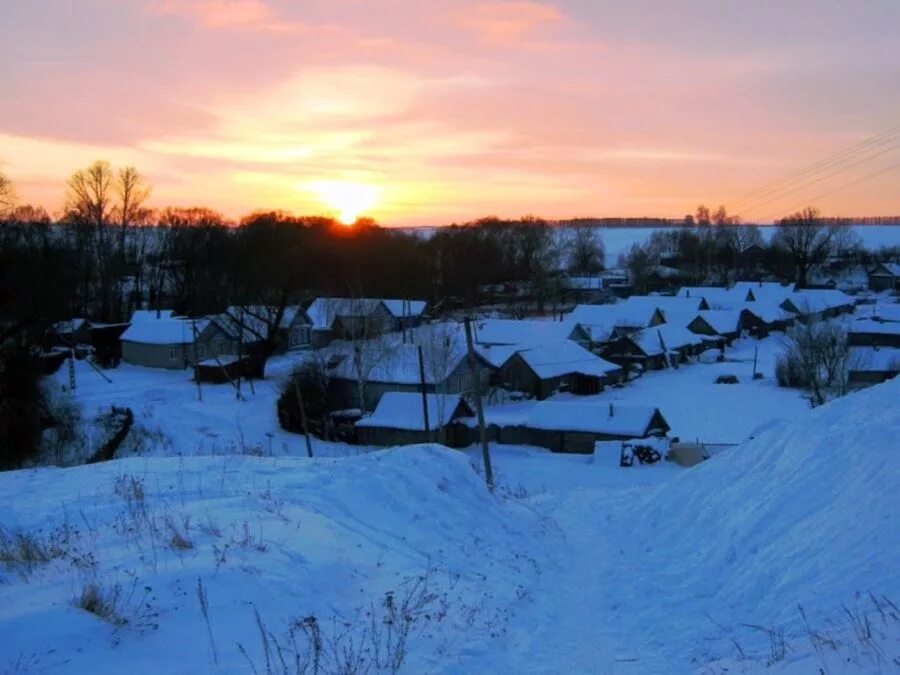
695 367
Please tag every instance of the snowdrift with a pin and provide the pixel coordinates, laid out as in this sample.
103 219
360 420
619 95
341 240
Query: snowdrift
288 538
806 514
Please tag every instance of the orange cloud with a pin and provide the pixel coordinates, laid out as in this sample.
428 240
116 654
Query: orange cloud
228 14
509 22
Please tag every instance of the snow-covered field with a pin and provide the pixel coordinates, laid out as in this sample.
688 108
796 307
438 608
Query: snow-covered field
572 565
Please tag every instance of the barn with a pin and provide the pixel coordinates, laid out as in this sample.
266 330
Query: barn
399 419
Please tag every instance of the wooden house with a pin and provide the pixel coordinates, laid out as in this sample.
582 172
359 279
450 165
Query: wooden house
170 342
817 305
543 370
723 323
399 419
885 277
361 318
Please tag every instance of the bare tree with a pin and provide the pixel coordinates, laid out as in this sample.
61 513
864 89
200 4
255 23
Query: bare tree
90 193
806 239
132 191
816 358
586 251
7 196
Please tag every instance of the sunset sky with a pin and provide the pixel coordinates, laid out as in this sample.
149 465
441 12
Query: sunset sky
430 111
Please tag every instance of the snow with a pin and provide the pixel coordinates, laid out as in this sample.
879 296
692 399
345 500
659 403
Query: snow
765 291
572 565
674 336
592 417
715 295
163 331
870 326
403 410
520 331
401 308
875 359
323 311
722 321
564 357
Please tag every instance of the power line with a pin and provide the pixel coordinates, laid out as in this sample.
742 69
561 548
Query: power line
865 145
802 186
839 188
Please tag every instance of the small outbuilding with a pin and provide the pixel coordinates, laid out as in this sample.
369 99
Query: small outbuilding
543 370
872 365
399 419
717 323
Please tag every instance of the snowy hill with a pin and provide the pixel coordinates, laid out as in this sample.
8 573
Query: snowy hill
575 565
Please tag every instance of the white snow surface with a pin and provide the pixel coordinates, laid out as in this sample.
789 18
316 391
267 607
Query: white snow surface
573 565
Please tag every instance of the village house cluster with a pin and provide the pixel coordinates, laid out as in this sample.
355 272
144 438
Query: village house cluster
402 376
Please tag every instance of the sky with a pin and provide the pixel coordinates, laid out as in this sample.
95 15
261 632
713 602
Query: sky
425 112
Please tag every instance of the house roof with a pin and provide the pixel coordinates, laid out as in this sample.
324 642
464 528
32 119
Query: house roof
521 331
870 326
715 296
814 301
886 312
765 290
593 417
891 268
768 311
667 304
403 410
564 357
151 315
875 359
722 321
323 311
164 331
674 337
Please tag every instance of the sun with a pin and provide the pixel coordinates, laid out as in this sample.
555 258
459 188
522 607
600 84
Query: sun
349 200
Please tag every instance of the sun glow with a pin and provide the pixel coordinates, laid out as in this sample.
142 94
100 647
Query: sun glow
349 200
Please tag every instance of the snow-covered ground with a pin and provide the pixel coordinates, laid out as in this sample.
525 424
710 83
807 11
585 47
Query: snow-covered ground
181 421
573 565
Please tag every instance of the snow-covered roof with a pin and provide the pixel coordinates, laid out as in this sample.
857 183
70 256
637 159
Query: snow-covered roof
521 331
151 315
765 290
400 308
563 357
814 301
715 296
387 360
323 311
875 359
722 321
870 326
164 331
885 312
403 410
69 326
674 337
768 311
593 417
891 267
583 283
645 305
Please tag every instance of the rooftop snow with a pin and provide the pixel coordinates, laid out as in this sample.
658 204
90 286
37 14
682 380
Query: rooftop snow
561 358
520 331
403 410
593 417
165 331
722 321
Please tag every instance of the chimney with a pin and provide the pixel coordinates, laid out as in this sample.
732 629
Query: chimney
612 410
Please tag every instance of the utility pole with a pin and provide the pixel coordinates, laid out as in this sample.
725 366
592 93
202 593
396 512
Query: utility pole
424 393
309 450
479 407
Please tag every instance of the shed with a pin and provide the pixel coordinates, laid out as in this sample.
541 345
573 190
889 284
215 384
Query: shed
399 419
227 369
567 426
166 342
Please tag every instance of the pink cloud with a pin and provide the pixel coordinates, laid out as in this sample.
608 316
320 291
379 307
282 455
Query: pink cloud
228 14
509 22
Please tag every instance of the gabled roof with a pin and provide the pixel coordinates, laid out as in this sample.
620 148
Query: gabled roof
521 331
815 301
715 296
891 268
674 337
323 311
766 311
872 327
667 304
165 331
151 315
765 290
600 320
562 358
254 320
403 410
595 417
722 321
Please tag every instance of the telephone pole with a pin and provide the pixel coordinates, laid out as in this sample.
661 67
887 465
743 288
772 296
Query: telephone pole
479 407
424 393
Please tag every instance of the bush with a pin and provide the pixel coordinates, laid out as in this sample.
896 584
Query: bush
22 409
312 383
